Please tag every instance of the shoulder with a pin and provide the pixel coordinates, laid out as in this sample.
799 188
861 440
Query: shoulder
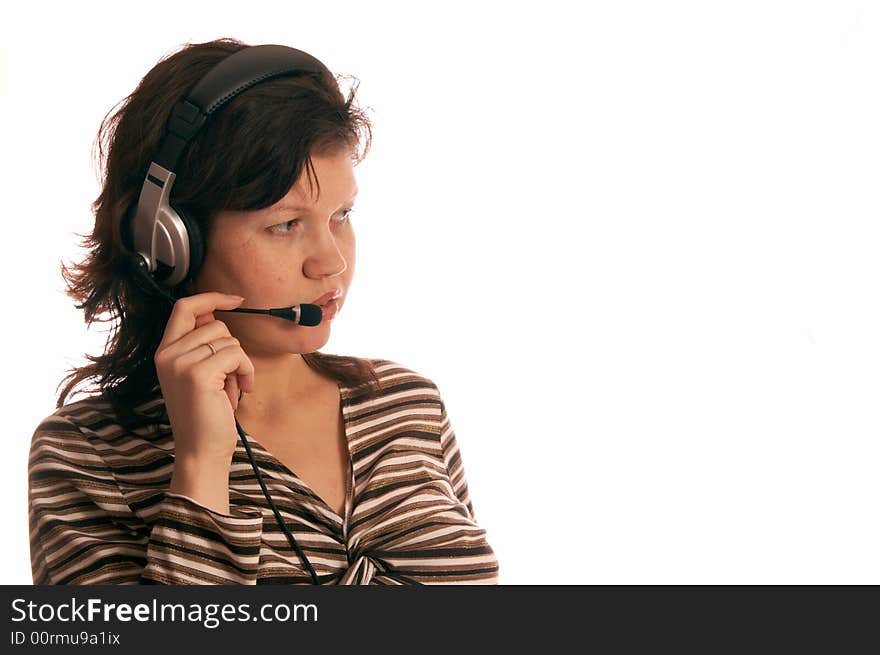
400 386
399 378
391 371
90 424
71 416
97 414
60 443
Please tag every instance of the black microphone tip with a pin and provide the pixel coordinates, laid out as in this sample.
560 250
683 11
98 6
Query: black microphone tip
310 315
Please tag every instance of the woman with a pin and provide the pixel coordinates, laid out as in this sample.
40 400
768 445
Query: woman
221 447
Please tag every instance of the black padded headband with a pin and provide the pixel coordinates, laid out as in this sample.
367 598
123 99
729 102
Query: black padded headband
234 74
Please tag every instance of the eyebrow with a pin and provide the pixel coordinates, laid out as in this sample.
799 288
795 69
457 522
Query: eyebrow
282 208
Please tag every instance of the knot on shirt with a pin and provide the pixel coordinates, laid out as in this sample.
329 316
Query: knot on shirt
362 570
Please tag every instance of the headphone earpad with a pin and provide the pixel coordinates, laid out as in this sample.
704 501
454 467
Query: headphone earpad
196 243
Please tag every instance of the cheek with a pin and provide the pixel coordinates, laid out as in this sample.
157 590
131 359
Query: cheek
253 259
259 270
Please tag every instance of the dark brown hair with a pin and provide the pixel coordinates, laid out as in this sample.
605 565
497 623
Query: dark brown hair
247 157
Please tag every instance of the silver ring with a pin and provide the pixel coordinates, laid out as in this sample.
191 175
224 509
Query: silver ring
213 350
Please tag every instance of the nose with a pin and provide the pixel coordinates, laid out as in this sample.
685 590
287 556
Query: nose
327 259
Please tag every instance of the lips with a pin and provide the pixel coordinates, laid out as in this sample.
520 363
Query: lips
327 297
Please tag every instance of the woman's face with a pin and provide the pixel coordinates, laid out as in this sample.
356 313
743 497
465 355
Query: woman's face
289 253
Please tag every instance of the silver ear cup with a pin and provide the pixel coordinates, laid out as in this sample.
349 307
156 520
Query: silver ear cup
159 235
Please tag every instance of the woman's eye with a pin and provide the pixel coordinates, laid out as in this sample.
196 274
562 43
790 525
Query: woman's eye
274 229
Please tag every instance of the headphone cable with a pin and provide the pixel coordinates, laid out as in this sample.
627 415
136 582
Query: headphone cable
278 518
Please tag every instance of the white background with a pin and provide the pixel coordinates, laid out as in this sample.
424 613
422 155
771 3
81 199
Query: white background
634 244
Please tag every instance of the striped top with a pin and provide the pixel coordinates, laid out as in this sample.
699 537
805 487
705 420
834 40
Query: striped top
100 511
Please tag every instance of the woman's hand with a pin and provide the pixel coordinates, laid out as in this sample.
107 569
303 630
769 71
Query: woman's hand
201 388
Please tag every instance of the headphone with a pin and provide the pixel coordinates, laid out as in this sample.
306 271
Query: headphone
167 242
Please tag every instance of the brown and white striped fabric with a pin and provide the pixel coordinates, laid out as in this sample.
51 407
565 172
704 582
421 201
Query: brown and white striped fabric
100 510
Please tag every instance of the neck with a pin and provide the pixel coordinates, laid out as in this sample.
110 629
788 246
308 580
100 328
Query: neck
279 384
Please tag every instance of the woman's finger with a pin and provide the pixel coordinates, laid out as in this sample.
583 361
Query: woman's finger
187 311
231 387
